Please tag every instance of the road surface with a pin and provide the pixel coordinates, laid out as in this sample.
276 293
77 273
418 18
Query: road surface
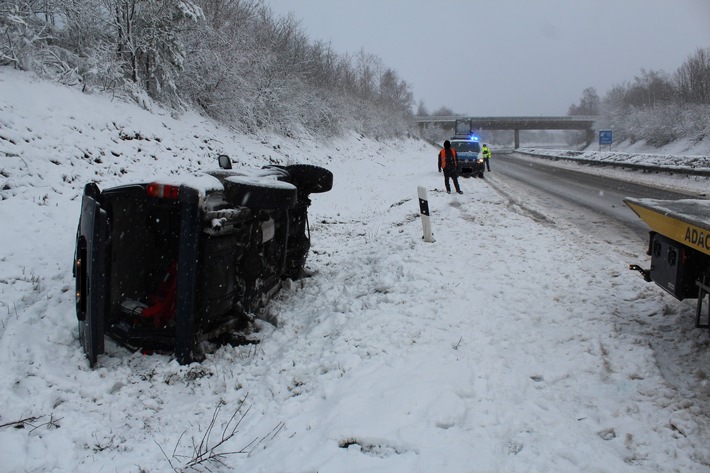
592 202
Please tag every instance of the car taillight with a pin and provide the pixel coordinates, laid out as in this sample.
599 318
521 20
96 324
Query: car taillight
162 191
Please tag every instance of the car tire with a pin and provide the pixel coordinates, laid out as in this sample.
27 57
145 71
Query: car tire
310 179
260 193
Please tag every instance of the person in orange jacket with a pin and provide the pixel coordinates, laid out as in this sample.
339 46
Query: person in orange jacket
449 162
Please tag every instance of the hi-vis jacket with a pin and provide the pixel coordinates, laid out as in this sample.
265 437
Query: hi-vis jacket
486 152
454 161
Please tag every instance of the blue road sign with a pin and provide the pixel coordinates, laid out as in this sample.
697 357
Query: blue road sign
605 137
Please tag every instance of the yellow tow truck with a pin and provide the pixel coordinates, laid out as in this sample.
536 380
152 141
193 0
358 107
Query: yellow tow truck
679 246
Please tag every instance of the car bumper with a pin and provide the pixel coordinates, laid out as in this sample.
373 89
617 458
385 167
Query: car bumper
471 168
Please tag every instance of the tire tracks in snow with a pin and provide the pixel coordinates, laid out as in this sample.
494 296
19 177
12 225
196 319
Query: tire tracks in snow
515 203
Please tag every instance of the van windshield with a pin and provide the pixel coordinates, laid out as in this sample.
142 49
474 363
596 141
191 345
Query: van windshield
466 146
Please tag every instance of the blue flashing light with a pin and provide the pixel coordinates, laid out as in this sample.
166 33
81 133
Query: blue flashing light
473 138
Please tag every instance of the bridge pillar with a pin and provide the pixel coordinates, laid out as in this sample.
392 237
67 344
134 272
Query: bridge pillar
517 139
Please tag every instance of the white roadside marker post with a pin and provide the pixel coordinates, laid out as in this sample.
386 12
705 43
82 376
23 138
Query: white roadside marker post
424 212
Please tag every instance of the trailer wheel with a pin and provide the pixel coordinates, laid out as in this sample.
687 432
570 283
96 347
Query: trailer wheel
310 179
260 193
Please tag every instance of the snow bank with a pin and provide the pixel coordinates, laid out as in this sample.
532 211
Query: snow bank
509 344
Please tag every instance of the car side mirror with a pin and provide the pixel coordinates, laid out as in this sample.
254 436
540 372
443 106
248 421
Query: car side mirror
224 161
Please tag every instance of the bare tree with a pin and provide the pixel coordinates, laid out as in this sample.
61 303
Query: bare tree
367 68
443 112
148 41
422 110
395 95
692 80
588 104
25 27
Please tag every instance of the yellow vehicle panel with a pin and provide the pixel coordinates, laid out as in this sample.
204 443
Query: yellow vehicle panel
686 221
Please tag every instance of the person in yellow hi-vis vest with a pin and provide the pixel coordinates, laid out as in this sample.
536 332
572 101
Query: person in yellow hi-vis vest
486 156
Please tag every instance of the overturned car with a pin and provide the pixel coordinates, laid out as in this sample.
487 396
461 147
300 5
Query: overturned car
165 266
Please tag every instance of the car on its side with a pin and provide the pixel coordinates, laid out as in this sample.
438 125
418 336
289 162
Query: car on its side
468 151
167 265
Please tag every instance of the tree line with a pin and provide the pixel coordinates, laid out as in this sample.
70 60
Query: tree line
655 107
235 60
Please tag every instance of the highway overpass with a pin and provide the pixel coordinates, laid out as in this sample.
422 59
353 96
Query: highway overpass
463 125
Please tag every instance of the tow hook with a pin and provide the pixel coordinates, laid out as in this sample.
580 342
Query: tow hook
645 272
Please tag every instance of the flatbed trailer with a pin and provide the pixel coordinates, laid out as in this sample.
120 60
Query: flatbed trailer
679 246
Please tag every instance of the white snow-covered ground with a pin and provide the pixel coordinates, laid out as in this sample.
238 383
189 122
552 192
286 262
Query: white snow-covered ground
510 344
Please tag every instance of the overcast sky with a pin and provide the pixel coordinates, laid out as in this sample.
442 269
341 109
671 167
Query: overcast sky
510 57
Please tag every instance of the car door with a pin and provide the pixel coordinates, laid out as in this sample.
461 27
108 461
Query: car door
90 273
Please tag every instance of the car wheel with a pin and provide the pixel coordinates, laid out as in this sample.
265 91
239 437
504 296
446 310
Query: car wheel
260 193
310 179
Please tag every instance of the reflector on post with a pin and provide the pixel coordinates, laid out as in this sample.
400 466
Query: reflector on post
424 213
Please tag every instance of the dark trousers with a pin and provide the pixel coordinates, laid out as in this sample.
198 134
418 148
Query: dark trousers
451 174
488 166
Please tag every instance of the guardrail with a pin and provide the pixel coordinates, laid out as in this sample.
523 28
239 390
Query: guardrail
620 164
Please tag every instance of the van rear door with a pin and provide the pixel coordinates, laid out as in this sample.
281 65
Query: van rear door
91 273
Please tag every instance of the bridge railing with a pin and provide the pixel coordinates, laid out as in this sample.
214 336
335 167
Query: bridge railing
580 119
585 123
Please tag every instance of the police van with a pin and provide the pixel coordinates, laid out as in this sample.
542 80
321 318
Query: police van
468 151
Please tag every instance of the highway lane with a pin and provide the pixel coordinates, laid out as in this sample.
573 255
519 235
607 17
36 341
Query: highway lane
587 200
